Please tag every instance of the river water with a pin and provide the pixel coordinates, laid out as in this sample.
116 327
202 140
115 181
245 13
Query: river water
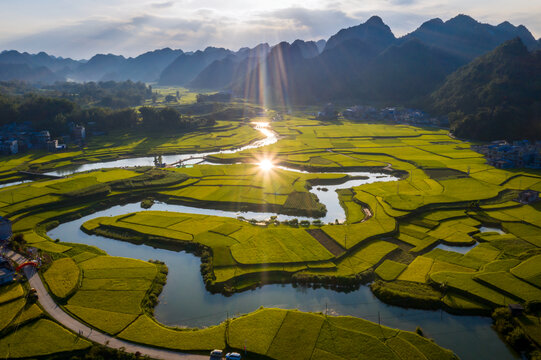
185 301
188 159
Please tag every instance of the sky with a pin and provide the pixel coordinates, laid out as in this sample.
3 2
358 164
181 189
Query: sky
82 28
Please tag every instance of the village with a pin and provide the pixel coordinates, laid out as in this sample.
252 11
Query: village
388 115
7 272
518 154
394 115
21 137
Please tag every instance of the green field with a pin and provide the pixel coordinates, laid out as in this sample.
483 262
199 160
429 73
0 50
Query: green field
63 277
289 334
115 145
390 270
51 338
445 193
428 206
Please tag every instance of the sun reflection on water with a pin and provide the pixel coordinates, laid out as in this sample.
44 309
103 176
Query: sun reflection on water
266 165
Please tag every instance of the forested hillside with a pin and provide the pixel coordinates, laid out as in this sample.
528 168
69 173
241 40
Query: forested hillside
498 95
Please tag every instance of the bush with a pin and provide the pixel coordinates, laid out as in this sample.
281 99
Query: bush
407 294
517 339
18 243
151 299
502 313
147 203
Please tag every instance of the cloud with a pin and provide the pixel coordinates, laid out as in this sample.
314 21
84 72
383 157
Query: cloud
198 29
311 22
131 37
160 24
403 2
163 5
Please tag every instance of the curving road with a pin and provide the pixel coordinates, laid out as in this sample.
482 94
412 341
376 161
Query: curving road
83 330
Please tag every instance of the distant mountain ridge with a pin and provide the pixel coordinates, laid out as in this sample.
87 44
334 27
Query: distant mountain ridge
366 62
186 67
374 31
36 60
221 73
146 67
24 72
467 38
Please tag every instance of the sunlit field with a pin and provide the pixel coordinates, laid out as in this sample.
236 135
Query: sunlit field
444 193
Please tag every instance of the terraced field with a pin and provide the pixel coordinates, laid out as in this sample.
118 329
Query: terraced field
446 192
117 145
21 320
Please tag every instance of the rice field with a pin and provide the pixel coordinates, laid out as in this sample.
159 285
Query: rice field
445 195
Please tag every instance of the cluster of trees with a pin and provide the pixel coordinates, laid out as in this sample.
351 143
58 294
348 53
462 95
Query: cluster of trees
219 97
168 118
55 115
41 112
15 87
510 331
106 119
105 105
108 94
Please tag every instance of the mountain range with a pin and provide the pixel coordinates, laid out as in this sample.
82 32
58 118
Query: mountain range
366 63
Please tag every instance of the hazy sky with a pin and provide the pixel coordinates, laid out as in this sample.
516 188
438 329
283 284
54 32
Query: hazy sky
81 28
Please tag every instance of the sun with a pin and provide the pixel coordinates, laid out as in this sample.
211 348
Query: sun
266 165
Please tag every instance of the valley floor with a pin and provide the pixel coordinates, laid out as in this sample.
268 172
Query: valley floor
404 237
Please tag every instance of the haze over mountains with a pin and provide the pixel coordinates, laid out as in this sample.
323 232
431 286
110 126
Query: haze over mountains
363 62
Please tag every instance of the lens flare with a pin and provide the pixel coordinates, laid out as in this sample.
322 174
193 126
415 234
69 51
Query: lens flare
266 165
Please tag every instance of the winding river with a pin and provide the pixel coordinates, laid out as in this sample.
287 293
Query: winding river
185 301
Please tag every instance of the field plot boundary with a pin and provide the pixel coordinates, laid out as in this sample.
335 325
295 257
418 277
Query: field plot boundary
326 241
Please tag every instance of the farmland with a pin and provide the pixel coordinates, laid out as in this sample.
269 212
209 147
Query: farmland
392 234
21 320
118 145
287 334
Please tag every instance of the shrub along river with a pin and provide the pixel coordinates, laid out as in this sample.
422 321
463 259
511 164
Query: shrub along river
185 301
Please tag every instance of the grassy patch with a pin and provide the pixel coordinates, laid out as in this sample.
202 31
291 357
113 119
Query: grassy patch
429 349
29 313
63 277
508 284
296 337
110 322
127 302
350 344
256 330
529 270
389 270
407 293
464 304
418 270
10 292
464 284
52 338
145 331
8 311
